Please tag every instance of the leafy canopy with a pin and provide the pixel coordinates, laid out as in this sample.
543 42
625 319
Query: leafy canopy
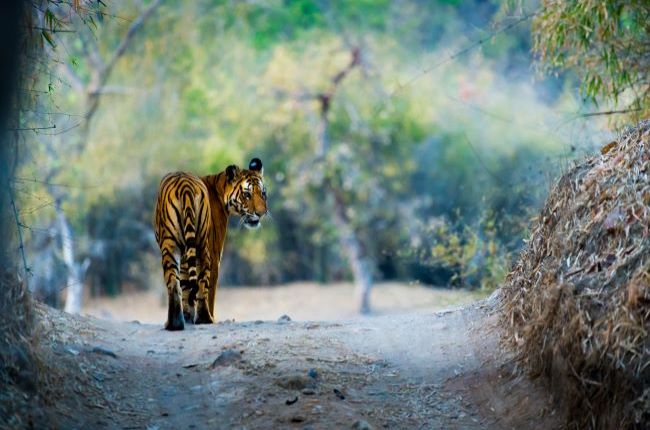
607 43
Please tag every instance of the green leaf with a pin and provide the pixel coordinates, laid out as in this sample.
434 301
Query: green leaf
50 19
48 38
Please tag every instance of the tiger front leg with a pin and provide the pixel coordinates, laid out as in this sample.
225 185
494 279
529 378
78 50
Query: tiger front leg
203 314
175 319
189 305
189 294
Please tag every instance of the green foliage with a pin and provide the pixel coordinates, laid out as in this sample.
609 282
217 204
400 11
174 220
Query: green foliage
606 43
473 255
118 235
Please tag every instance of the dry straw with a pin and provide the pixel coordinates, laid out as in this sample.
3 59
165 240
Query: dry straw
577 303
18 364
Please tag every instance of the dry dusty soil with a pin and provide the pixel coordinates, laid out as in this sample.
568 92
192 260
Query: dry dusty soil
420 371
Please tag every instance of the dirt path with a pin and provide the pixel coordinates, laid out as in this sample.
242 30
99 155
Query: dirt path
420 371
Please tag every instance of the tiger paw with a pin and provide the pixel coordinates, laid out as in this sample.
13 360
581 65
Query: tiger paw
175 318
188 318
175 323
203 316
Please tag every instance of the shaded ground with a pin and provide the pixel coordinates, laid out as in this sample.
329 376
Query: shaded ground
304 301
419 371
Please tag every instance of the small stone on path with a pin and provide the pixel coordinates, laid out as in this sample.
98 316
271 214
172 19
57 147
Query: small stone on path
100 350
361 425
284 319
291 401
226 358
295 382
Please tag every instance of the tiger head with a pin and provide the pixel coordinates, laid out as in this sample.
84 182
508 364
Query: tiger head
245 193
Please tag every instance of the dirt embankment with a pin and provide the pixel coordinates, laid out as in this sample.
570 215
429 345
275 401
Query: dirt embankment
577 302
439 370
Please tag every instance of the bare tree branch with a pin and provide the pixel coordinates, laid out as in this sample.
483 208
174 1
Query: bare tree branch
90 48
101 77
133 29
50 30
610 112
114 89
71 76
32 128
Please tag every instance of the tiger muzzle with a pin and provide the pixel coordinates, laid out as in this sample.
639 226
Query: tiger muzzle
252 221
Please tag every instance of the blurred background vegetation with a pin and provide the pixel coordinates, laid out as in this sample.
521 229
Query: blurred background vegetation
440 142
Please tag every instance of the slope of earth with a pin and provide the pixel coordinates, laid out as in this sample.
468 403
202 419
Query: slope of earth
439 370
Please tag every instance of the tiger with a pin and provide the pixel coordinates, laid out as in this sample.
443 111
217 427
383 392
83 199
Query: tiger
190 225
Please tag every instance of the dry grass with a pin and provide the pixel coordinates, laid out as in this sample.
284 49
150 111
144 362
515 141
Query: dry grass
577 303
19 373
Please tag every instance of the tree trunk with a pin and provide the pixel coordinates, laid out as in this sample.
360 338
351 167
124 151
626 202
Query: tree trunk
361 270
74 286
361 267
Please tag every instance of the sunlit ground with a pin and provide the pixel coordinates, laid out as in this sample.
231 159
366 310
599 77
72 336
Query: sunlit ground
301 301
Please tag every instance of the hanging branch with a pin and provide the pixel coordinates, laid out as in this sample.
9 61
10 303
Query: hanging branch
610 112
19 226
33 128
454 56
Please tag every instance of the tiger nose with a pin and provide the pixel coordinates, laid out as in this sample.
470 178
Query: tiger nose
260 211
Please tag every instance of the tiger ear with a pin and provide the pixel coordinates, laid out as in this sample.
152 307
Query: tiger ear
256 165
232 172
